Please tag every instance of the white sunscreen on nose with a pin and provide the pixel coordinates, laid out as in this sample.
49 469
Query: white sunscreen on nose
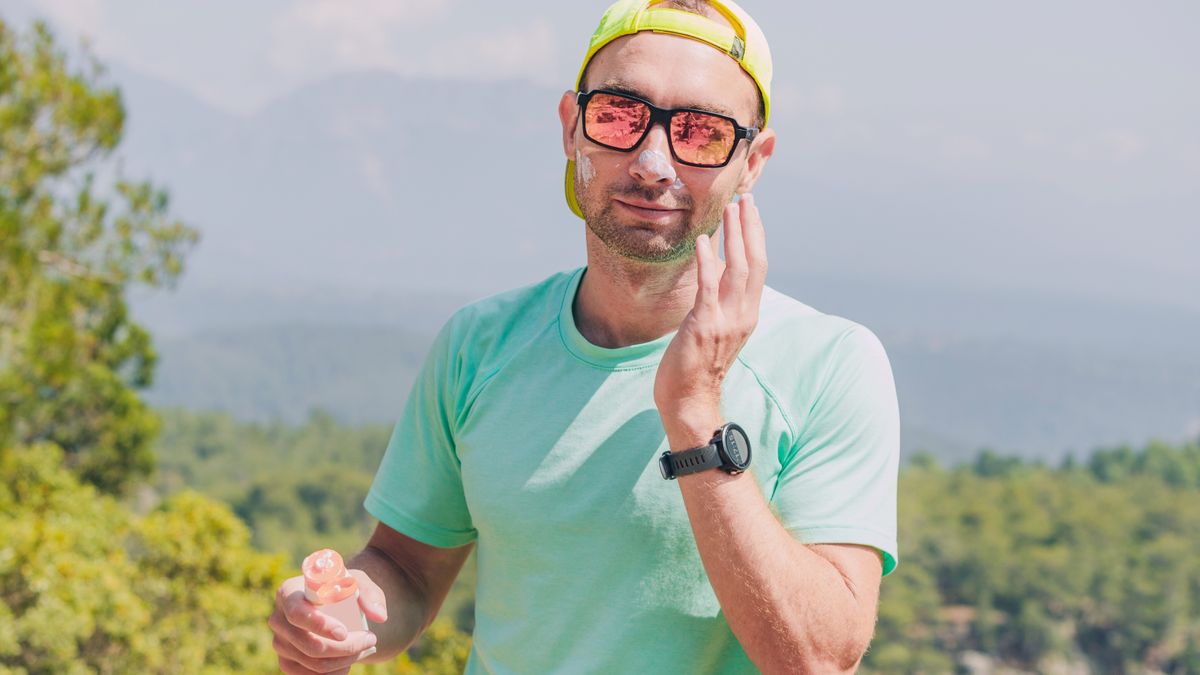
657 165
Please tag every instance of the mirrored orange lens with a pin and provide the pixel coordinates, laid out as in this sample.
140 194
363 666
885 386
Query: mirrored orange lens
616 120
699 138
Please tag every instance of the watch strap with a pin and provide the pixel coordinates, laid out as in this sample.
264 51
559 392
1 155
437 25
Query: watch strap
693 461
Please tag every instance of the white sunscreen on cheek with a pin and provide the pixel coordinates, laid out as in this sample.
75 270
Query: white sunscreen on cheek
657 165
584 171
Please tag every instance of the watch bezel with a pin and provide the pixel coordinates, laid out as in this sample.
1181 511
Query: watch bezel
722 437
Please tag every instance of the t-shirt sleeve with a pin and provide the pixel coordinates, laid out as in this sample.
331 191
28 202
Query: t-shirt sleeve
418 489
839 484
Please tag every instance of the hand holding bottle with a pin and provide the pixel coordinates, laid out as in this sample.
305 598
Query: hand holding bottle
320 618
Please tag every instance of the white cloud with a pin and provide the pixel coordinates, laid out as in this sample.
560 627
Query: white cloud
83 17
1112 145
87 21
409 37
327 35
527 51
1124 145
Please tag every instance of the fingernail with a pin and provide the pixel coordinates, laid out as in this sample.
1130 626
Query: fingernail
380 609
371 639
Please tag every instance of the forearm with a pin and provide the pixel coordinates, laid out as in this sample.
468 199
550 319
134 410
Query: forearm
408 606
791 609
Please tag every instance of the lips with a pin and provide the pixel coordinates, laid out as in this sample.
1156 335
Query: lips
648 209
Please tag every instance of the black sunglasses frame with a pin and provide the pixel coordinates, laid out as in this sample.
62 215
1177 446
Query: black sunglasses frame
663 116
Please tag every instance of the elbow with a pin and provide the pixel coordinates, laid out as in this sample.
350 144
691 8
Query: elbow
839 651
847 662
845 654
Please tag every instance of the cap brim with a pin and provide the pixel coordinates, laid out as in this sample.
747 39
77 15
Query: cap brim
570 183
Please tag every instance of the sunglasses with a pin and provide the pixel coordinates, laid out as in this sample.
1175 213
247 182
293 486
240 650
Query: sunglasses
697 137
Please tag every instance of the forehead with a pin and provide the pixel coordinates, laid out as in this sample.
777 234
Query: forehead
675 72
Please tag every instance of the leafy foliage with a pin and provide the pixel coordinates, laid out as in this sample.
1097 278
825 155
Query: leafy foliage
87 586
1095 563
71 358
299 488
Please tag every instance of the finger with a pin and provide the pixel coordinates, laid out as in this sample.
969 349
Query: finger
370 597
707 276
302 614
755 239
716 254
733 281
290 667
313 646
288 651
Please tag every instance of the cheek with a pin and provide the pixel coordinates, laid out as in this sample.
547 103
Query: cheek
697 181
584 170
589 162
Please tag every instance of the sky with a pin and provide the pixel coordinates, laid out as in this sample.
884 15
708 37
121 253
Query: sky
1044 145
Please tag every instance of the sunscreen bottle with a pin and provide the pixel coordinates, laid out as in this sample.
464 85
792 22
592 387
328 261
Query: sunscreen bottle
332 589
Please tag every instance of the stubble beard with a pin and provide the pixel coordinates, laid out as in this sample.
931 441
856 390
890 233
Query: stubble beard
670 243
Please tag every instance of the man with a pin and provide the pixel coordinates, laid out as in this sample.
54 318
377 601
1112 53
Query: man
538 425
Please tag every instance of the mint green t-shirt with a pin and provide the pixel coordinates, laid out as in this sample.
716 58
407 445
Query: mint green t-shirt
543 448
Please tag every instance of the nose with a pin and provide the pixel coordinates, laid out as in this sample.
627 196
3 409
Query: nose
653 164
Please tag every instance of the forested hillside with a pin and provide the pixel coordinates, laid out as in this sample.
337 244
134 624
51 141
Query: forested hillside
1091 563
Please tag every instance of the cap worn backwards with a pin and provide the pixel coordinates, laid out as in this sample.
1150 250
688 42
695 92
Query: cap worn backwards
742 40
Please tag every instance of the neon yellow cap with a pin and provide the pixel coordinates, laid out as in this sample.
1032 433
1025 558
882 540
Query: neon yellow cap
744 42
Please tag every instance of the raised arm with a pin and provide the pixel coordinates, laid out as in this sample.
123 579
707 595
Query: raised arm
794 608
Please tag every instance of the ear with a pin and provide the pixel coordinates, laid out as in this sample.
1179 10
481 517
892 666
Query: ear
760 151
568 114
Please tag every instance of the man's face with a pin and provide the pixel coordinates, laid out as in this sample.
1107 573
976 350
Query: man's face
642 204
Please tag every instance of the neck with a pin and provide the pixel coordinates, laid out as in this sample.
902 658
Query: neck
623 302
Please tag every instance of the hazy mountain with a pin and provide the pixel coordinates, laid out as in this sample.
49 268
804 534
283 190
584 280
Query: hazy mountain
1036 377
359 373
376 181
343 222
955 397
366 181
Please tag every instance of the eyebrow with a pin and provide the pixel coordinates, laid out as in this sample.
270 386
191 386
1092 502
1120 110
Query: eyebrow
622 87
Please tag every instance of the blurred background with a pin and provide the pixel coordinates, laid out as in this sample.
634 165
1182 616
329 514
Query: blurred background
1007 194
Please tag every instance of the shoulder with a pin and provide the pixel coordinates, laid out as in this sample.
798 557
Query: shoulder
787 328
483 329
797 349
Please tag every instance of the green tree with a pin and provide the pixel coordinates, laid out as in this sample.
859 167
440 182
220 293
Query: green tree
71 357
87 586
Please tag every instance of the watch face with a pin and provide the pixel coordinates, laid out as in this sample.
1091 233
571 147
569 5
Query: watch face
737 447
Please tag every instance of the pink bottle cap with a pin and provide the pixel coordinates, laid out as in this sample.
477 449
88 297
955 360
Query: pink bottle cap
326 580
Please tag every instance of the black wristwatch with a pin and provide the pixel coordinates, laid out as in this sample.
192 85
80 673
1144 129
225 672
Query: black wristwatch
729 450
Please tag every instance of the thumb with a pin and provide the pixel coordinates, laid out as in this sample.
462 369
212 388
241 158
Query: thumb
370 597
